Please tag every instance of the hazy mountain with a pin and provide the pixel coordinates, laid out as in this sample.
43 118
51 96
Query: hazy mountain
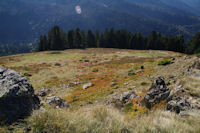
23 20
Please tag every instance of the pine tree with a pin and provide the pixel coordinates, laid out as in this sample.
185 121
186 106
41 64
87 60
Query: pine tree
77 38
70 38
97 39
56 38
194 44
90 39
41 44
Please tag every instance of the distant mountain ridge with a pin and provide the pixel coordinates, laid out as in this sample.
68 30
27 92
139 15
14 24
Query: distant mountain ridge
25 21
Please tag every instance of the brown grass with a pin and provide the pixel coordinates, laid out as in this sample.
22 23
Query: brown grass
101 119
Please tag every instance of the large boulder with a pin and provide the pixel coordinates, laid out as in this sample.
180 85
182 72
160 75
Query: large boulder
17 98
157 92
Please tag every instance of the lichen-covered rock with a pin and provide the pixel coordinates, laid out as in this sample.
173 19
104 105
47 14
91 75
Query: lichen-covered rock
17 98
57 102
157 92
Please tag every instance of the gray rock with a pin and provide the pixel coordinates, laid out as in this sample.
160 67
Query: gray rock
178 104
157 92
113 84
44 92
123 98
196 64
57 102
17 98
85 86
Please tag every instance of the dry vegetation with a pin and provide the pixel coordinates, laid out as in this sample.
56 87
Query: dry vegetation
102 67
101 119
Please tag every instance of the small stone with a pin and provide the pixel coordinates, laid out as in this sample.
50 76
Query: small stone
57 102
113 84
86 86
87 60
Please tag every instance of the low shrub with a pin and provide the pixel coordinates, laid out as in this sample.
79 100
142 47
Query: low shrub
27 75
144 83
95 70
57 64
131 72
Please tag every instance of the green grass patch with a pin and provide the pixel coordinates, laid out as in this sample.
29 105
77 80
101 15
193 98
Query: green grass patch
128 107
131 72
27 74
95 70
164 62
144 83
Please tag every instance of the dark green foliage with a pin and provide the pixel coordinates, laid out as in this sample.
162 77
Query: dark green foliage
144 83
194 44
131 72
95 70
57 64
111 38
56 38
27 75
91 39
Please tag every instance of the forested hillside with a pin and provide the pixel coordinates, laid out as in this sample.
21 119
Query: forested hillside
23 21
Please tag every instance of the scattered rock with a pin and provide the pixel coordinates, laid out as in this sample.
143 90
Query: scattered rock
178 104
17 98
57 102
173 58
113 84
87 60
196 64
157 92
125 131
123 98
44 92
72 84
86 86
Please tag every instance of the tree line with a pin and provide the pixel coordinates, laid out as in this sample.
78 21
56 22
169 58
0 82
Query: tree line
57 39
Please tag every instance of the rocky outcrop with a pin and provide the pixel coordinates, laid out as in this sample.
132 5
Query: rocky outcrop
121 99
178 104
17 98
57 102
157 92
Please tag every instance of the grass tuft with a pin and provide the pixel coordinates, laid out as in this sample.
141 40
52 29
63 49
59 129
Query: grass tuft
164 62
